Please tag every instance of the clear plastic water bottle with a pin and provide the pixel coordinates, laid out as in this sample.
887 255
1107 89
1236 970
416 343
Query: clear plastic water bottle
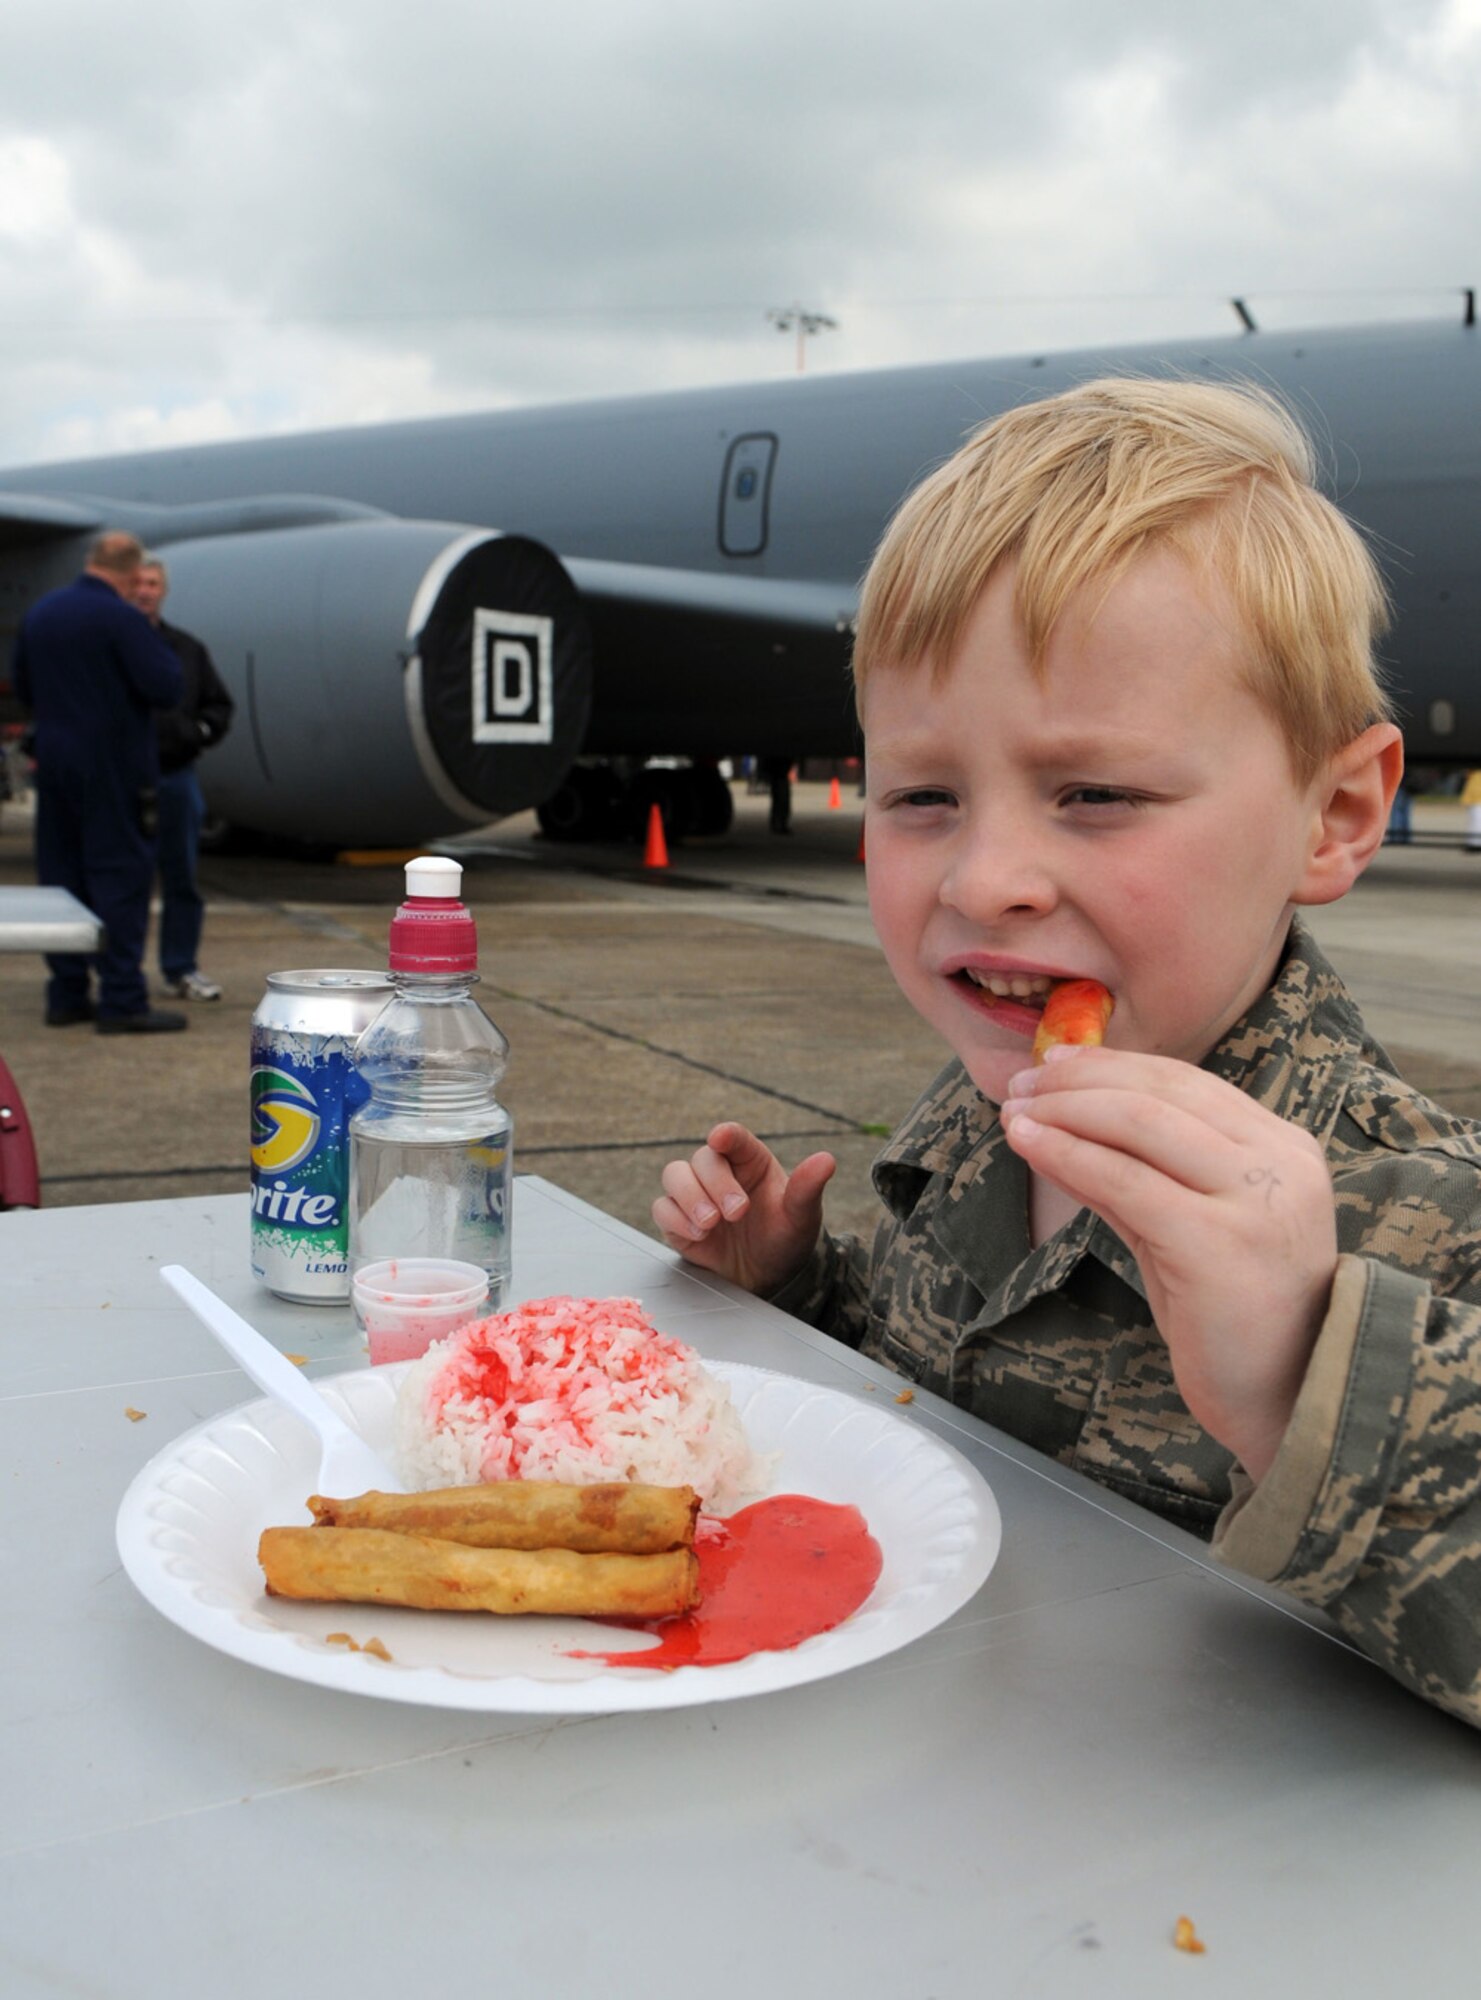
430 1153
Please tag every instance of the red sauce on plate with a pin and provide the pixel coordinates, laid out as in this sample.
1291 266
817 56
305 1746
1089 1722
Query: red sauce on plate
770 1576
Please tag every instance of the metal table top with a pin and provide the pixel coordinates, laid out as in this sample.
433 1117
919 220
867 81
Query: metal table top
46 920
1113 1733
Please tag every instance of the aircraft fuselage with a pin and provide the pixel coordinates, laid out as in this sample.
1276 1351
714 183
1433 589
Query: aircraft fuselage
685 519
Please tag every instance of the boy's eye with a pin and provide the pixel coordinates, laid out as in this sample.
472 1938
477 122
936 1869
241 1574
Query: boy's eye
1098 795
924 795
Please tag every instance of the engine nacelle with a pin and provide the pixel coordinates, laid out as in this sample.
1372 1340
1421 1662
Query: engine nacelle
393 679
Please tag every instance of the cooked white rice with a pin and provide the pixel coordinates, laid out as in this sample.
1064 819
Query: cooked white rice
579 1390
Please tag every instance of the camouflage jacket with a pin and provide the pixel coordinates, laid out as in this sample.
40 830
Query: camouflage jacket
1372 1508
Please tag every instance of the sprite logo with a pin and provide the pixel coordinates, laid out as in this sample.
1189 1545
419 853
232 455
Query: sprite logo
285 1121
297 1181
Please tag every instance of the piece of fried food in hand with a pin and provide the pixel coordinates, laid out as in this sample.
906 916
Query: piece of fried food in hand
1076 1012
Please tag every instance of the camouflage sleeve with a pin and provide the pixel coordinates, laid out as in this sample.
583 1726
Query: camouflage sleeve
1372 1508
831 1291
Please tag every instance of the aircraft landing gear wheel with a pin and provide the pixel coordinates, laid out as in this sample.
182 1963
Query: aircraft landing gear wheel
713 806
582 807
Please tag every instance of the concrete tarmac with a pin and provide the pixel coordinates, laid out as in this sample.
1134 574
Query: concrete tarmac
742 981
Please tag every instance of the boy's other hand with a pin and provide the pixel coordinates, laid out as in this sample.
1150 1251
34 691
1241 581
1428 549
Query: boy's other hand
734 1209
1227 1208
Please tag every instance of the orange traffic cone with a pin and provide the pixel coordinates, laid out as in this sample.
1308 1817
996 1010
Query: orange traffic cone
860 854
656 853
835 796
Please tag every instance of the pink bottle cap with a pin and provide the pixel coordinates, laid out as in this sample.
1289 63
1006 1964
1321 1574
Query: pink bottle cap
433 930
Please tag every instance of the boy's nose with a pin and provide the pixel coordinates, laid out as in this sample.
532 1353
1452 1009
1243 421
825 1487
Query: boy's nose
994 877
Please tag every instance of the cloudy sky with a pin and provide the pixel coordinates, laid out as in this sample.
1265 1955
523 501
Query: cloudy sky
215 222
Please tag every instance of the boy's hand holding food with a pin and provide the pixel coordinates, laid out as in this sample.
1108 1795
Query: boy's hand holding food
1227 1208
734 1209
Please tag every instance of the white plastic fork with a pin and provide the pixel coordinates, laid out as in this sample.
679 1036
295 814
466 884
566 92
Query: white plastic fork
347 1464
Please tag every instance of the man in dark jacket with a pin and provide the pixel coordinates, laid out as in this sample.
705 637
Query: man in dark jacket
202 718
91 668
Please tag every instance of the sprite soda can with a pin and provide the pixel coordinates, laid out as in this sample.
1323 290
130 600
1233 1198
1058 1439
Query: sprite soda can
304 1087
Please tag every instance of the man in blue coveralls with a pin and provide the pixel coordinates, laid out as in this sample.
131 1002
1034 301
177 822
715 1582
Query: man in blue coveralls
92 669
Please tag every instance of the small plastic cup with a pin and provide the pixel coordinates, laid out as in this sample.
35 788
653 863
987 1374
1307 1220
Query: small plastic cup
403 1304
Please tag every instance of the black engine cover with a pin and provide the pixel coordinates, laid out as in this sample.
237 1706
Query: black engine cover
394 679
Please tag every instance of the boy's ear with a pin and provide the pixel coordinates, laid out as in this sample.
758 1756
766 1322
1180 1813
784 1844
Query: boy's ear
1351 802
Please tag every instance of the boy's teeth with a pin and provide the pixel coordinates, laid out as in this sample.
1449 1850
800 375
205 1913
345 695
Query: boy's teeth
1012 986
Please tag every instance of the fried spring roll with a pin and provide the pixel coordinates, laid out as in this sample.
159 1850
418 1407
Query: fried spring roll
529 1514
367 1566
1076 1011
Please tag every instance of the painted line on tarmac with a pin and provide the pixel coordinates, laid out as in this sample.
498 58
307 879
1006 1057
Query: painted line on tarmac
558 1149
675 1055
661 1145
634 873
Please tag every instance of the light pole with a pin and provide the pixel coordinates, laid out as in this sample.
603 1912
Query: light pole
785 318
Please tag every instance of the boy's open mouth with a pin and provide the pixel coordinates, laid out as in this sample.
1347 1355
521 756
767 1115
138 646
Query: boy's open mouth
1012 1000
1029 989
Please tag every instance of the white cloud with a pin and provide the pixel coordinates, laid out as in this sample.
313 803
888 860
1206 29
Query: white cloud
344 216
139 427
35 195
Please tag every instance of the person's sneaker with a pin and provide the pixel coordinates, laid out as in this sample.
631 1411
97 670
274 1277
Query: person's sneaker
192 986
153 1021
68 1016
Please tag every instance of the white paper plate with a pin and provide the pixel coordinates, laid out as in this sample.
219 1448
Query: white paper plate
189 1523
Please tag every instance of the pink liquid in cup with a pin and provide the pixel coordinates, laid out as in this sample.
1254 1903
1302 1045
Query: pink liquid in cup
403 1304
407 1341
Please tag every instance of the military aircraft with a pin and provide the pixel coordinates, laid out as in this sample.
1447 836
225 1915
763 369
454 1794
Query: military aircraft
428 625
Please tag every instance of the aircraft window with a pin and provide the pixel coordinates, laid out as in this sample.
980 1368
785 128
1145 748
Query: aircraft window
745 493
1442 718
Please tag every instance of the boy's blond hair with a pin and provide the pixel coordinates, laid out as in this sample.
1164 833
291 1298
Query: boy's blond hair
1078 486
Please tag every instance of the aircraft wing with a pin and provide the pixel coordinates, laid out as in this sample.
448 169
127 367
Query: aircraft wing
35 517
769 603
394 675
767 648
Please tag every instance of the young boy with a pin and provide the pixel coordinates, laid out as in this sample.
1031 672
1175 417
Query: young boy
1114 666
